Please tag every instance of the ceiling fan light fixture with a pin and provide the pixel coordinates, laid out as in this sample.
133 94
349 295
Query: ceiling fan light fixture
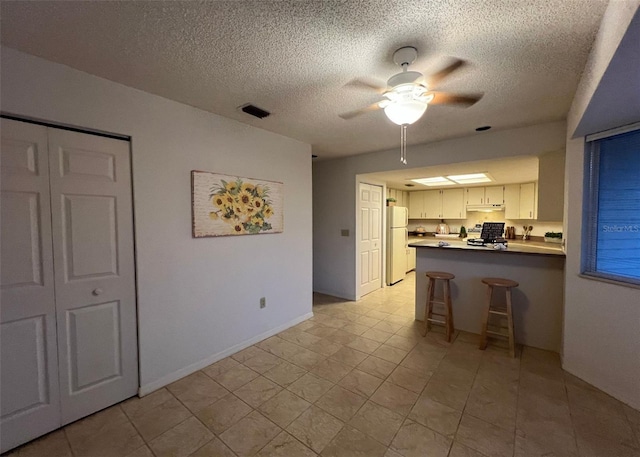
405 112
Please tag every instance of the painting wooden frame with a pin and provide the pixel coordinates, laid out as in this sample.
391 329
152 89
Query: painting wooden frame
225 205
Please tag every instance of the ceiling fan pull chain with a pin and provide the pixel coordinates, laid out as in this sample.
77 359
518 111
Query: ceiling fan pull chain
401 149
403 144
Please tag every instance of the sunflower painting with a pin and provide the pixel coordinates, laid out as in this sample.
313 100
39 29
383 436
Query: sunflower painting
229 205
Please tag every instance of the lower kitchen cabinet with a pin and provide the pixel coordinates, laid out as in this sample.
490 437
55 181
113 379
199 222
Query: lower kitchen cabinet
411 259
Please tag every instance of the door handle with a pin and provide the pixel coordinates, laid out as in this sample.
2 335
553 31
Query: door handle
97 292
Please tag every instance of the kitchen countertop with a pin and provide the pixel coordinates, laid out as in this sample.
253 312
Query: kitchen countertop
514 246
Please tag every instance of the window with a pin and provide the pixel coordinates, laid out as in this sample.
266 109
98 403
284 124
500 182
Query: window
612 206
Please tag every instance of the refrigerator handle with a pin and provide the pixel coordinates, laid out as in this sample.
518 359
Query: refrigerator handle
406 238
406 217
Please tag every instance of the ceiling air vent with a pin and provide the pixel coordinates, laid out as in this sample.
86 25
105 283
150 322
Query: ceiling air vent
254 111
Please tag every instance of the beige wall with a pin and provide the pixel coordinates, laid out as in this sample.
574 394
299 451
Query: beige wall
601 321
198 299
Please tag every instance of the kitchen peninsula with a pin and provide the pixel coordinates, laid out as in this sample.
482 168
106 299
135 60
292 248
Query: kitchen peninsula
537 302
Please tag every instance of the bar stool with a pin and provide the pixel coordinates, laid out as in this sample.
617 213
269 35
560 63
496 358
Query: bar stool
446 301
505 284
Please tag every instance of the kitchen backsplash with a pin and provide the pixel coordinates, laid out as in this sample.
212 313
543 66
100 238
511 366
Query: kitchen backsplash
539 227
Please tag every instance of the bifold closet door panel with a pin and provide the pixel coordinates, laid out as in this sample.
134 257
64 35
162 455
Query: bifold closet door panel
92 226
30 402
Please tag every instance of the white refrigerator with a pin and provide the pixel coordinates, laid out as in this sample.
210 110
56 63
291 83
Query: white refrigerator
397 241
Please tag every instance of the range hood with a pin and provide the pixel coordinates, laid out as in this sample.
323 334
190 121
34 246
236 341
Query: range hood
486 208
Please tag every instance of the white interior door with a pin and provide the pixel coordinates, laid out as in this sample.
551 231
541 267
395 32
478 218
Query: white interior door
370 242
30 402
92 227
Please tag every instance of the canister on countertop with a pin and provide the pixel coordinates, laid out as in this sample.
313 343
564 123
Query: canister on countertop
442 228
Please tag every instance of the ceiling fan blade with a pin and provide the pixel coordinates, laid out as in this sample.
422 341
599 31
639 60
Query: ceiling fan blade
358 112
435 78
368 84
445 98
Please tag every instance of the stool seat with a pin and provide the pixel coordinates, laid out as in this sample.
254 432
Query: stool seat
439 275
506 285
429 313
500 282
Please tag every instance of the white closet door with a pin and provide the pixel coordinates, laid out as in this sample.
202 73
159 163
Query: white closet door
30 402
369 238
92 228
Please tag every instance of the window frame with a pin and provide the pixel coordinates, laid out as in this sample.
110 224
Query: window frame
591 211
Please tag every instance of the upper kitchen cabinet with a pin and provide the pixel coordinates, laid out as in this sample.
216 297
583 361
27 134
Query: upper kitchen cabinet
437 204
416 205
475 195
453 206
512 201
432 204
520 201
528 201
401 196
493 195
551 186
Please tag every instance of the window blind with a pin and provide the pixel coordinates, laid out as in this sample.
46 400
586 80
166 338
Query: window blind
614 207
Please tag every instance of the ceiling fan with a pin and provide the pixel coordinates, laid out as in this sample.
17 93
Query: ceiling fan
408 93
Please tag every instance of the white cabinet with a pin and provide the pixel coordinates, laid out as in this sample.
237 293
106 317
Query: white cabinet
475 195
405 198
416 205
411 259
437 204
432 204
520 201
493 195
512 201
401 196
528 201
453 204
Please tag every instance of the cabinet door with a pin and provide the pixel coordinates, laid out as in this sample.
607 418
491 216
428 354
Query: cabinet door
512 201
416 205
432 204
405 198
411 259
527 201
475 195
494 195
453 206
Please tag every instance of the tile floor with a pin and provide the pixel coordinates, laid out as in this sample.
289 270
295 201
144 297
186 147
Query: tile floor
358 379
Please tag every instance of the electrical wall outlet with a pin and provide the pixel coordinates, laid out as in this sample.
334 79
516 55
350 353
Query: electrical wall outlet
263 302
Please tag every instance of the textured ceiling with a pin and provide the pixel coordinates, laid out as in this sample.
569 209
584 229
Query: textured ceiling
293 58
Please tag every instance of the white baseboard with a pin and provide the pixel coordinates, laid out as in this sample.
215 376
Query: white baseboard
186 371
